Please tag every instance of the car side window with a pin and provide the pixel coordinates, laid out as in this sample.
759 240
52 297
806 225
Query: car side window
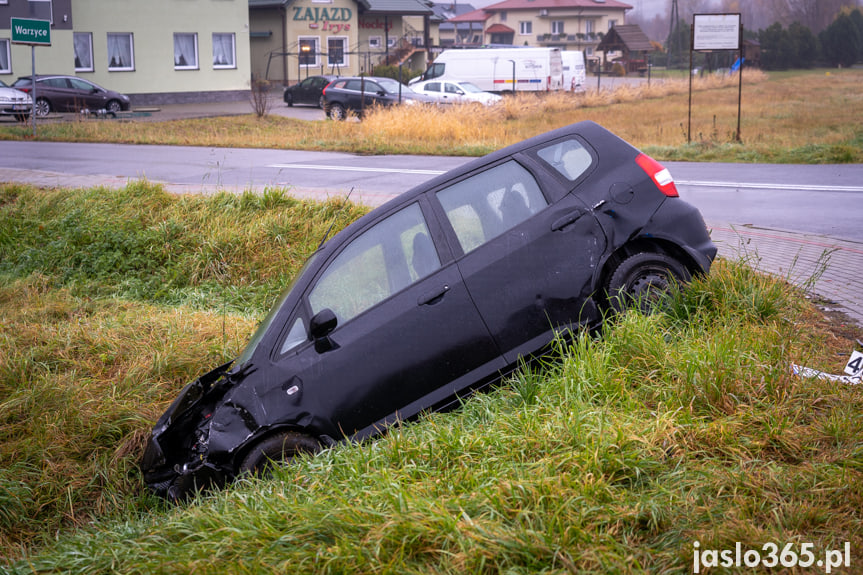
485 206
452 89
432 87
80 84
380 262
570 158
295 337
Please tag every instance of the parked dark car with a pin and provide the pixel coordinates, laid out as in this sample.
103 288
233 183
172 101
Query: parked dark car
309 91
359 94
14 102
70 94
433 296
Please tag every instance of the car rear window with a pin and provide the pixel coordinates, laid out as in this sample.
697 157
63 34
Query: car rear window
569 158
485 206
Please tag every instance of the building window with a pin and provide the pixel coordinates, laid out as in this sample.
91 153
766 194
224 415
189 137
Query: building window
612 24
83 44
121 52
185 51
525 28
5 60
309 51
557 27
41 10
589 25
503 16
337 51
224 51
375 41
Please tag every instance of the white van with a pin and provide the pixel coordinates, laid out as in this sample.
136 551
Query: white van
574 73
495 69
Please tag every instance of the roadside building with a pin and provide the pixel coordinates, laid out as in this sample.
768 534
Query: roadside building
565 24
294 39
157 51
175 51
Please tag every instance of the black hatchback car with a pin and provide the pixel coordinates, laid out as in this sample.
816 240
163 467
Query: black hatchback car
57 93
432 296
358 94
309 91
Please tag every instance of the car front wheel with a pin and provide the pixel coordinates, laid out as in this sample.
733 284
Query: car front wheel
643 279
276 448
43 107
289 99
113 106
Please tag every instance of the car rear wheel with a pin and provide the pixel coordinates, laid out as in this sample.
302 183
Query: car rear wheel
43 107
113 106
643 279
282 446
336 112
289 99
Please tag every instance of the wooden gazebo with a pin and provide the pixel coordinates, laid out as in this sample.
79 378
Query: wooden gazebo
632 42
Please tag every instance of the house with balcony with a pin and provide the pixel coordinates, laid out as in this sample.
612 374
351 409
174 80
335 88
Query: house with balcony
565 24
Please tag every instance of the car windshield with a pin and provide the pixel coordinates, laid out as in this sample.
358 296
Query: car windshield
274 311
392 86
468 87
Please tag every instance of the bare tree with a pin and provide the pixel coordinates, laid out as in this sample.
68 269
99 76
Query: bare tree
814 14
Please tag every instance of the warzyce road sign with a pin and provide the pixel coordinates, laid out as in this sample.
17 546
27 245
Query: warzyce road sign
33 32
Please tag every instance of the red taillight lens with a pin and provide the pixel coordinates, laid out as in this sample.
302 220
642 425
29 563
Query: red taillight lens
659 174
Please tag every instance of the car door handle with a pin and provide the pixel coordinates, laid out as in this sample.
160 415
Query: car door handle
431 297
567 220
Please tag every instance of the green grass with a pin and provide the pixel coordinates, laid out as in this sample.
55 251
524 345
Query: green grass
614 455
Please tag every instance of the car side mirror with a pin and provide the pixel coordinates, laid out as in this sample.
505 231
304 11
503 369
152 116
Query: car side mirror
320 327
382 93
323 323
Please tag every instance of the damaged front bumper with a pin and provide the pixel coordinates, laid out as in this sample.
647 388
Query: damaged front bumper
175 462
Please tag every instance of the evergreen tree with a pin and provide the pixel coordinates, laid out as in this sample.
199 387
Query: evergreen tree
805 45
841 42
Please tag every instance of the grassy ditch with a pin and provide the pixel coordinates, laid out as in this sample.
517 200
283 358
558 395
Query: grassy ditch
616 456
802 117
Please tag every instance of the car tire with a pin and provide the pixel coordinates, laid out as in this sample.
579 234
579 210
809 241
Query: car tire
43 107
642 279
113 106
289 99
336 112
282 446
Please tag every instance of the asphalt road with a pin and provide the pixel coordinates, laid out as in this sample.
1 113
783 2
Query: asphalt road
825 200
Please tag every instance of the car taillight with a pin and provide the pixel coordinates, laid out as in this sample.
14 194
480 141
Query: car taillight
659 174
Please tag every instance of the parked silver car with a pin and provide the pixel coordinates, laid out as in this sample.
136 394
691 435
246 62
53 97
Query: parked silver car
455 91
14 102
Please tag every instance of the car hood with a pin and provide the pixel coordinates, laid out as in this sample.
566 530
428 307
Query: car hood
13 95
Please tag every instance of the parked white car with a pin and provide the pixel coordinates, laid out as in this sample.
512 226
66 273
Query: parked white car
454 91
14 102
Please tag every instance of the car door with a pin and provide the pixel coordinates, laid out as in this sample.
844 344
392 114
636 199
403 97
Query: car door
408 336
452 92
92 97
432 89
528 261
60 93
